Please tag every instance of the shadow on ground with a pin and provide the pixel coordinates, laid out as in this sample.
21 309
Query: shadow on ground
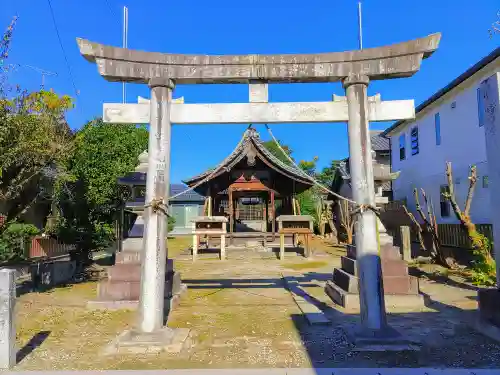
34 343
441 331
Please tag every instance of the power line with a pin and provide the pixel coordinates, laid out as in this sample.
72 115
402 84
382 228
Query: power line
68 66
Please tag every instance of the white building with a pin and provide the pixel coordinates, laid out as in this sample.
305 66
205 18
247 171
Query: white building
448 127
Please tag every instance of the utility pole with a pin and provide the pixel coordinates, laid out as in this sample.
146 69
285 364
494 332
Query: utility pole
42 72
360 26
125 43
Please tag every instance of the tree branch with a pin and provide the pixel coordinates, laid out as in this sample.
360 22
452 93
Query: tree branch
418 207
470 192
417 225
450 195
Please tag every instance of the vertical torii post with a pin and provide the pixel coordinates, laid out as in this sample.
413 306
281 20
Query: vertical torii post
151 302
371 291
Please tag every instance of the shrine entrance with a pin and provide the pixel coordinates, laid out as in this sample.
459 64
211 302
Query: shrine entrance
355 69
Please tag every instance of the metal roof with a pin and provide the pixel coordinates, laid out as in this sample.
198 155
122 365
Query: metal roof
379 143
457 81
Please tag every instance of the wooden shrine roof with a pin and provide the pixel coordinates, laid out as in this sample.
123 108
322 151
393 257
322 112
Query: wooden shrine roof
251 147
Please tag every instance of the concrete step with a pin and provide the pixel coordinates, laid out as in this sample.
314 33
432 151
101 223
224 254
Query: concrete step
128 257
132 244
390 251
390 267
350 301
132 271
349 265
401 285
118 290
345 281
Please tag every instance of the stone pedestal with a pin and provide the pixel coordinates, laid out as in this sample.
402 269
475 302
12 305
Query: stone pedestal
122 287
165 340
400 289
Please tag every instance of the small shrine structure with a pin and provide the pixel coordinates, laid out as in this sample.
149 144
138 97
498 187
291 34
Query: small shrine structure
251 187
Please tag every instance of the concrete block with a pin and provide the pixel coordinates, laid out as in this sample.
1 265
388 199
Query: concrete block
345 280
489 306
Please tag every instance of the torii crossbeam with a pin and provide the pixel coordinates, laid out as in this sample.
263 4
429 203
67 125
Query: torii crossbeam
354 69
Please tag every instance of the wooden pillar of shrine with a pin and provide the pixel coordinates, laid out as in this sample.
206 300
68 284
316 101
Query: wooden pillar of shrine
273 229
210 201
231 215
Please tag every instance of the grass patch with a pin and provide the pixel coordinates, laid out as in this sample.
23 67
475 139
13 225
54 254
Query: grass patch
177 245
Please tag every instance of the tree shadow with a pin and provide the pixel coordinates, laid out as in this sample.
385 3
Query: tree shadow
442 333
441 279
36 341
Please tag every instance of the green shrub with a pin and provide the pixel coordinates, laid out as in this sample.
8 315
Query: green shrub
15 241
483 270
171 223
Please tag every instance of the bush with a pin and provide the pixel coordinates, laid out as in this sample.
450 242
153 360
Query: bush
483 270
171 223
15 241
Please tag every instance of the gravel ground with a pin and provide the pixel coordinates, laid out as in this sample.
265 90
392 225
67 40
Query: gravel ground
241 315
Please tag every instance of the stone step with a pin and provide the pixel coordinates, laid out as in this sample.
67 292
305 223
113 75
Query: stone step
351 301
337 294
128 257
346 281
132 271
396 267
390 267
349 265
112 290
390 251
401 285
132 244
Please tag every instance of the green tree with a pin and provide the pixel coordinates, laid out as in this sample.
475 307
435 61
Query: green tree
35 143
273 148
327 174
90 198
307 199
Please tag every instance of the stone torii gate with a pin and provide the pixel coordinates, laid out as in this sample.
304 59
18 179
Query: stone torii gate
354 69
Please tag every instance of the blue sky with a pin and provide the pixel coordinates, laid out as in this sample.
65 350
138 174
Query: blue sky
231 27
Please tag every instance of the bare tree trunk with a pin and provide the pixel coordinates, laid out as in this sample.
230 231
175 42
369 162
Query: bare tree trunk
478 240
333 228
429 227
346 220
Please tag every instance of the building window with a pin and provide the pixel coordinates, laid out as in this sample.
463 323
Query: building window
437 125
443 202
453 105
402 148
414 141
485 182
480 108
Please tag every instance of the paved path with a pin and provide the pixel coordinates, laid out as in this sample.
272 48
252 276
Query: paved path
294 371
